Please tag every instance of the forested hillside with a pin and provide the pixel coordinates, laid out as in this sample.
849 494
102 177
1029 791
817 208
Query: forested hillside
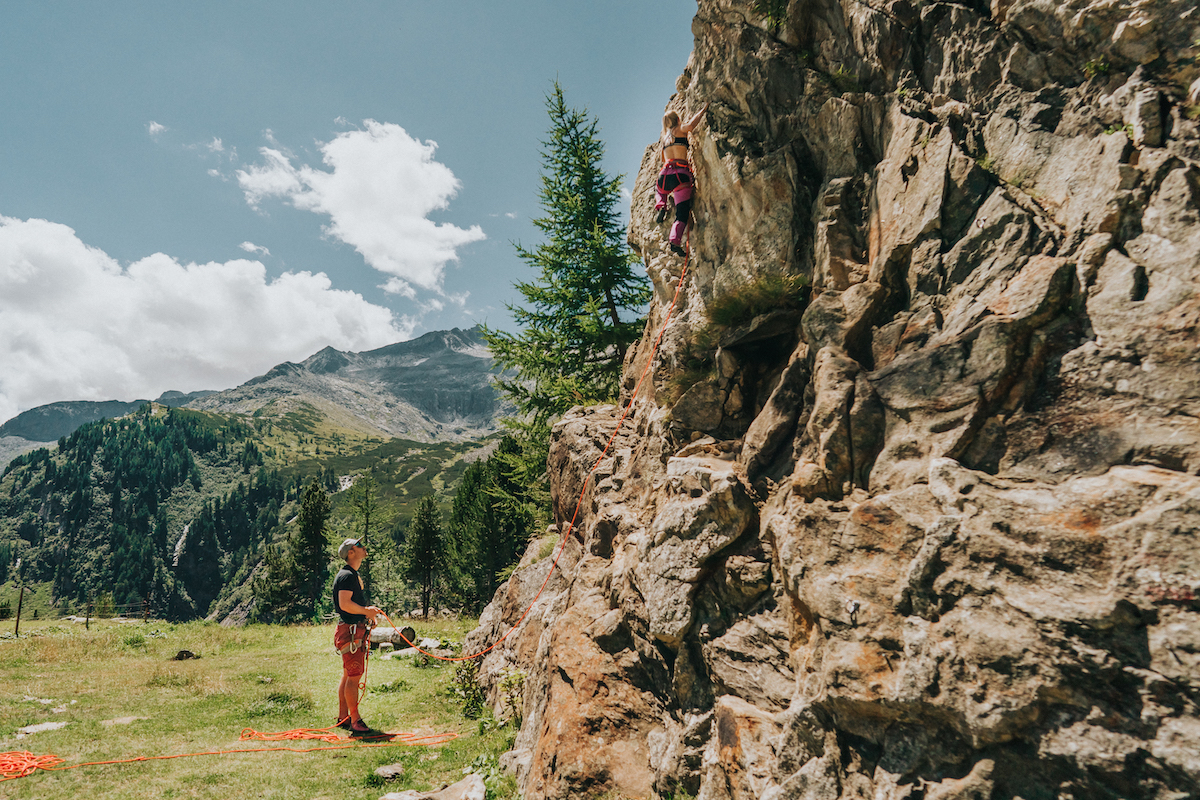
107 511
178 507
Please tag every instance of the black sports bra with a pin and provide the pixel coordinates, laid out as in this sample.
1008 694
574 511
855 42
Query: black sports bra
678 140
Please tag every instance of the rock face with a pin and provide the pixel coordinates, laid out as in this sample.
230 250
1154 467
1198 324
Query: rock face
936 535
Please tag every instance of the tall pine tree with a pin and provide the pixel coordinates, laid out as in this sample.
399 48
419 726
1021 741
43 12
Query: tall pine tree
582 311
290 585
310 547
490 522
364 504
425 554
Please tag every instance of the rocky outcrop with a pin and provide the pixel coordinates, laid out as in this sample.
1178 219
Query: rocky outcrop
935 534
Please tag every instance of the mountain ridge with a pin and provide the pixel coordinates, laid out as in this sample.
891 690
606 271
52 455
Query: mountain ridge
438 384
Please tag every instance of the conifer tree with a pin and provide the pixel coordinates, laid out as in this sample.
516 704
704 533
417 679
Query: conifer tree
292 580
311 545
425 557
582 310
490 521
364 504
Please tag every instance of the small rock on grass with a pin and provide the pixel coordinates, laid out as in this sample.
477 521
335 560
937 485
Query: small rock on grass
40 728
108 723
390 772
469 788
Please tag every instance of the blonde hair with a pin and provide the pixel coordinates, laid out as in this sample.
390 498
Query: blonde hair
670 120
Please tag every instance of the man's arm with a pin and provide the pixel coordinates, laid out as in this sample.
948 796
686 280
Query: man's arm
351 607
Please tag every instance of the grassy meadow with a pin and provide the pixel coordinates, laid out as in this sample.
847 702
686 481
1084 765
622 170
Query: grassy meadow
269 678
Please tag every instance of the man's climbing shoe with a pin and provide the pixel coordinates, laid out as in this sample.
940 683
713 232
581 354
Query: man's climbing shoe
661 215
677 250
343 723
360 728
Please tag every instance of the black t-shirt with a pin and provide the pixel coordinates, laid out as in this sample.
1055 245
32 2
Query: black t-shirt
347 580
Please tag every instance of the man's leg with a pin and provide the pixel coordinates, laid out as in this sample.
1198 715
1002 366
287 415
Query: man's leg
348 697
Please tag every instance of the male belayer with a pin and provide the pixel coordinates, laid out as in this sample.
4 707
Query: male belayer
352 636
675 179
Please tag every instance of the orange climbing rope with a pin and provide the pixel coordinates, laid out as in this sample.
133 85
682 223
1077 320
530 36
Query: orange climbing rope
579 503
21 764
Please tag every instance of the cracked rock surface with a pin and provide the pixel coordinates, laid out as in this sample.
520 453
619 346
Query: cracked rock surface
933 532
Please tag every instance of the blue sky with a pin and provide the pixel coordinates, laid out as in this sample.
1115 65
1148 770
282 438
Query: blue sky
192 193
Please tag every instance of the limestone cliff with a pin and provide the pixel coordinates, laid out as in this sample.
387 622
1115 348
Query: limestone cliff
930 531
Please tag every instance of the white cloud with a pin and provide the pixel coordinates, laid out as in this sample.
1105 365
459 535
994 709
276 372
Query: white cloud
381 186
154 128
251 247
511 214
215 146
76 325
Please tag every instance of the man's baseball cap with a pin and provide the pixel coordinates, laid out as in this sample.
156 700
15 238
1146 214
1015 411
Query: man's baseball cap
347 546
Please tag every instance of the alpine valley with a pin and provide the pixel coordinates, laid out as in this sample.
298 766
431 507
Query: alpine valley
175 501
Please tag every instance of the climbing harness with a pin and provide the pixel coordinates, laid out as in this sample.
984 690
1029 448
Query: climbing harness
356 641
355 644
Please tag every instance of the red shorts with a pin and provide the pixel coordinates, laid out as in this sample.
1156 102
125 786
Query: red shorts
353 663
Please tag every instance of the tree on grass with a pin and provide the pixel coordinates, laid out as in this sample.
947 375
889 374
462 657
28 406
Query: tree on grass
311 545
490 522
425 555
292 580
364 504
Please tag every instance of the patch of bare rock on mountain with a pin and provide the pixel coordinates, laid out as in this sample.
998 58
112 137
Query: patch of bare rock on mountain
935 535
436 387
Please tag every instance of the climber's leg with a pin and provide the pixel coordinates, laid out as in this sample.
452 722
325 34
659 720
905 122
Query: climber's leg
667 183
682 209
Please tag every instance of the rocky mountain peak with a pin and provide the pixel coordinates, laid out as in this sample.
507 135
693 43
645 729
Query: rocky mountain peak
437 386
910 507
326 361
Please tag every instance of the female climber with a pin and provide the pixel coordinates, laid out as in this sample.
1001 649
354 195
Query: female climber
675 179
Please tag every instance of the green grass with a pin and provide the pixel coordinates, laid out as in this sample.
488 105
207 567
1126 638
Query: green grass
693 372
844 81
1097 66
268 678
774 11
767 293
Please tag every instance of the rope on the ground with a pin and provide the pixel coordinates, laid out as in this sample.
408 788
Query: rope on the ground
21 764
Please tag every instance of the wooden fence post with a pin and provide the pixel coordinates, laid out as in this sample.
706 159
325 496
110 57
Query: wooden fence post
20 599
